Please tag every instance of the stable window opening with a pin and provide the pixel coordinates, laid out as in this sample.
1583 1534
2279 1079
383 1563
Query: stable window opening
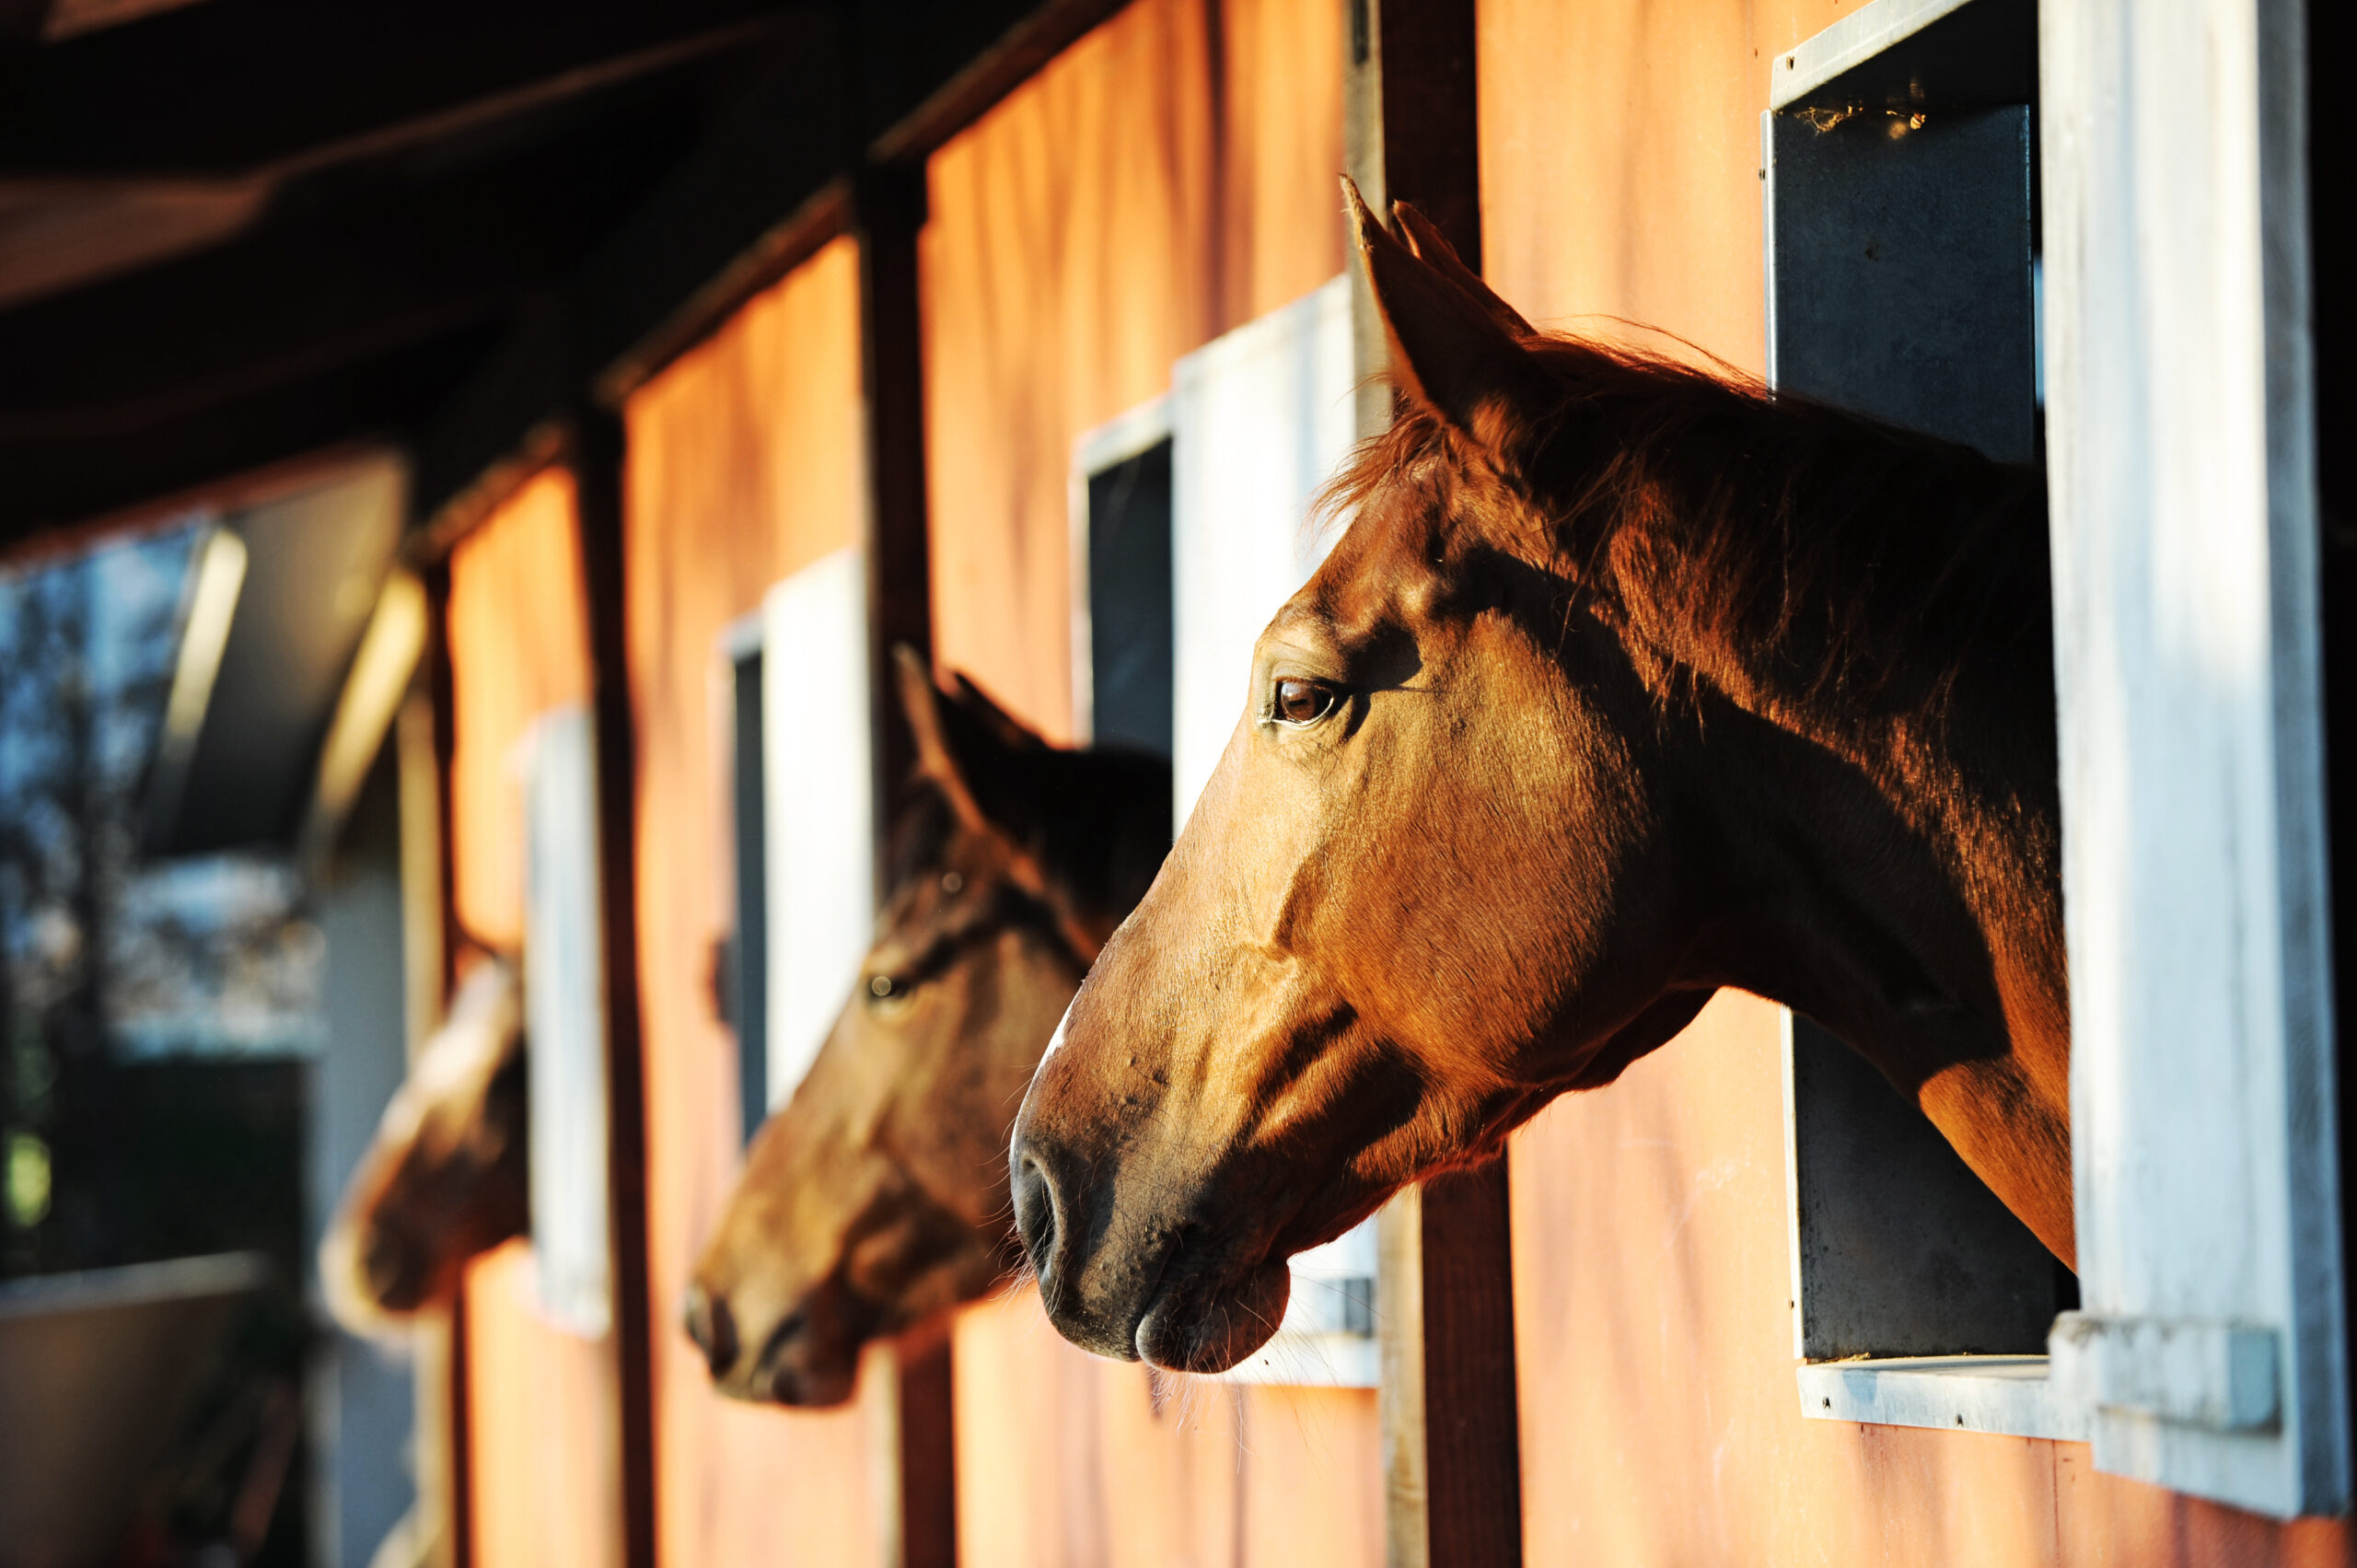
1900 163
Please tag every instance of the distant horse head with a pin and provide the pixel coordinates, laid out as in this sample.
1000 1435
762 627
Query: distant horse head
877 1197
1627 682
446 1177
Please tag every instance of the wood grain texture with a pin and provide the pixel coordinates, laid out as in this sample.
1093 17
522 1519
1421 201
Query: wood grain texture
540 1478
888 211
1168 176
1453 1477
1472 1449
745 466
1067 1459
598 454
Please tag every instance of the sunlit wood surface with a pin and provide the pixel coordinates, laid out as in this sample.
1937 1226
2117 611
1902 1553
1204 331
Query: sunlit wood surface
1167 177
1170 177
541 1403
744 466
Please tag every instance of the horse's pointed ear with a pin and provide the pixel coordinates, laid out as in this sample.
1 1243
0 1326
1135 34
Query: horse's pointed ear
1449 351
967 745
937 757
1430 245
1003 726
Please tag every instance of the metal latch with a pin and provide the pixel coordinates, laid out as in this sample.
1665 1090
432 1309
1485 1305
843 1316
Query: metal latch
2191 1372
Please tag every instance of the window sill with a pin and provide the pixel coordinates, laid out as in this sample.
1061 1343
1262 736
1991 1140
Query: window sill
2009 1395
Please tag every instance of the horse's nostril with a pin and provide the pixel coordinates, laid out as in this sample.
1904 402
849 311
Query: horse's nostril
1035 1211
713 1328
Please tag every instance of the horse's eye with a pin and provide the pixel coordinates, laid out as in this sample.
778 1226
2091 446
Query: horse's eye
1302 701
886 988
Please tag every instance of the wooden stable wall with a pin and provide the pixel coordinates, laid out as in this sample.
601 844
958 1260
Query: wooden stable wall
1165 178
541 1402
1660 1421
1169 177
743 466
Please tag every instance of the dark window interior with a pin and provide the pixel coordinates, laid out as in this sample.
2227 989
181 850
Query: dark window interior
744 968
1902 251
1129 601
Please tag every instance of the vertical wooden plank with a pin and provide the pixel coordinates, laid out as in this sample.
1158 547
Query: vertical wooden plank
928 1456
430 886
598 447
888 211
1453 1467
1472 1439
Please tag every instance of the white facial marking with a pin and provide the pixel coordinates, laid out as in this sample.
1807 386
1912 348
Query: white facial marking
1055 1043
1056 1040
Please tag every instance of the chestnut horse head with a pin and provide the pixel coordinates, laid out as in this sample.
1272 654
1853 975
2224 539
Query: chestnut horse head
1628 680
877 1197
446 1176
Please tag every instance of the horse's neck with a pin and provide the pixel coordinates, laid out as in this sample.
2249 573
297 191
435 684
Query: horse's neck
1893 612
1890 849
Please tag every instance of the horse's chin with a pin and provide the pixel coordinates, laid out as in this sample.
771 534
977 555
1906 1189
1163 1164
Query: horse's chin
802 1382
1212 1327
813 1387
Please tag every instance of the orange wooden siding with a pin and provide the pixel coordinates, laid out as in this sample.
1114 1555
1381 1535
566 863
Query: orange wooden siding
1660 1421
743 465
1067 1462
541 1401
541 1408
1168 178
519 647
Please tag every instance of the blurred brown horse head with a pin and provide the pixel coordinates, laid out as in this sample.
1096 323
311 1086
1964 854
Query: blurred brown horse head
1627 682
446 1175
877 1197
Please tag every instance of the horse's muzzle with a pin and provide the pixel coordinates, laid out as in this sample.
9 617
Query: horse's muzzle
714 1328
1054 1238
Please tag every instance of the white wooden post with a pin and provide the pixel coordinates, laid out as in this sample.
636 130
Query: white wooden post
2179 434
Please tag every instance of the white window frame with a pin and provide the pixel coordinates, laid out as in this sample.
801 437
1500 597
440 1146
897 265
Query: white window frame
818 826
565 1023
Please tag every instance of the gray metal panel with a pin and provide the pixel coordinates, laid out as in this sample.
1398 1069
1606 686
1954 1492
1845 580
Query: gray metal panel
98 1372
362 1395
1900 272
316 561
1902 1250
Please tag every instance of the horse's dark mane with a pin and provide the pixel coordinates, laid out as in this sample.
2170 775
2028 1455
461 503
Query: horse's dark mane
1749 539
